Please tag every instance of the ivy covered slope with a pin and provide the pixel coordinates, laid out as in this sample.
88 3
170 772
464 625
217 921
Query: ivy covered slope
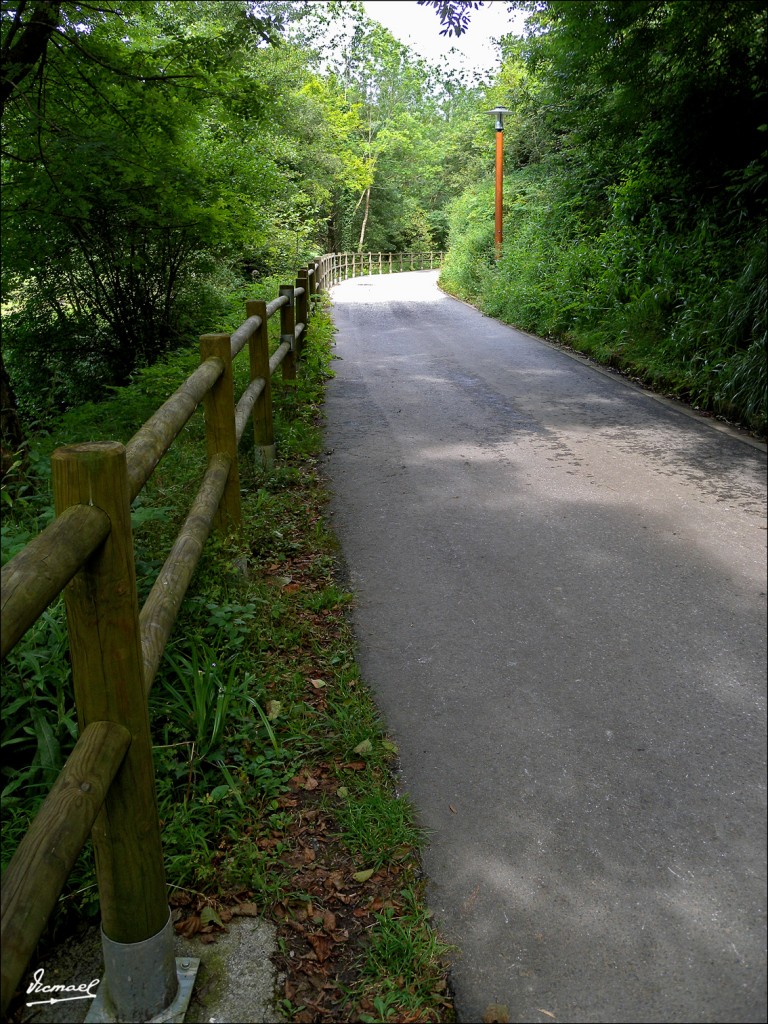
635 194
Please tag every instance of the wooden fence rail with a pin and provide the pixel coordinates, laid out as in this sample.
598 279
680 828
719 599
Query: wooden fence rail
107 788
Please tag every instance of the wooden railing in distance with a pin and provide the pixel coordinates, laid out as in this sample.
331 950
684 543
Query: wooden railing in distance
107 785
338 266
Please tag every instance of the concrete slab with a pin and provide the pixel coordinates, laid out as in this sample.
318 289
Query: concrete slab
236 982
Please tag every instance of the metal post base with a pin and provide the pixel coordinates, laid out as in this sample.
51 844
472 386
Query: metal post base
103 1012
143 982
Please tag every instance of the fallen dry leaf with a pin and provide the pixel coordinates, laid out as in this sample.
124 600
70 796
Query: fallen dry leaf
189 927
246 910
322 945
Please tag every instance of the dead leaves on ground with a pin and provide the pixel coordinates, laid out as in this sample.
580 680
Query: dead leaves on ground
195 916
324 933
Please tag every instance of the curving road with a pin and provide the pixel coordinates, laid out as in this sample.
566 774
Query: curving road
560 602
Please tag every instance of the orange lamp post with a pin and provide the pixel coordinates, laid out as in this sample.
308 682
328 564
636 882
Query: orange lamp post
499 113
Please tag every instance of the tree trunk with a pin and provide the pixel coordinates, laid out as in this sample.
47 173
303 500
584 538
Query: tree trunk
12 439
365 219
25 43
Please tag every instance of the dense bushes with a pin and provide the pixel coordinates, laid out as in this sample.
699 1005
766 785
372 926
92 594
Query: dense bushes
632 232
682 309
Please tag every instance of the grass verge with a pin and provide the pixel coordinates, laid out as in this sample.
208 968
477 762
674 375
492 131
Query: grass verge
274 770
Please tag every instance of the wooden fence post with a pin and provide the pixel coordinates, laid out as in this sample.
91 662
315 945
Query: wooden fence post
287 324
107 670
258 351
303 308
220 432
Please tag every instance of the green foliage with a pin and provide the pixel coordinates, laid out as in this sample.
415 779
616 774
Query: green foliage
156 156
198 691
376 827
635 195
405 958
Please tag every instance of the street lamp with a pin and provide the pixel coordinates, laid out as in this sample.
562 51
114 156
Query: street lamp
499 113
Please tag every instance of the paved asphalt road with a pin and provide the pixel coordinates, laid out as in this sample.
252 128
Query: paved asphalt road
560 602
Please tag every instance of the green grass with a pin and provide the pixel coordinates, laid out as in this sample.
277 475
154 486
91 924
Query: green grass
402 961
258 700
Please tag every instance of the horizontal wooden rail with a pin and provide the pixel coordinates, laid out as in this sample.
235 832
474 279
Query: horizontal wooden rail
278 356
47 853
38 573
244 407
243 334
275 304
152 441
158 615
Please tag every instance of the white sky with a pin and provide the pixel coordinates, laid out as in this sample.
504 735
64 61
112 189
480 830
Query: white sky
419 28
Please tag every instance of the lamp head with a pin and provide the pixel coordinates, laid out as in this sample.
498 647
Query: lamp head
499 113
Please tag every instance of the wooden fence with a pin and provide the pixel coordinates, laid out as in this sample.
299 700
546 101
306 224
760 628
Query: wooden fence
106 788
338 266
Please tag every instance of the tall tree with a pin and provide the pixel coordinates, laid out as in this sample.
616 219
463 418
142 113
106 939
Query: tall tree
117 188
